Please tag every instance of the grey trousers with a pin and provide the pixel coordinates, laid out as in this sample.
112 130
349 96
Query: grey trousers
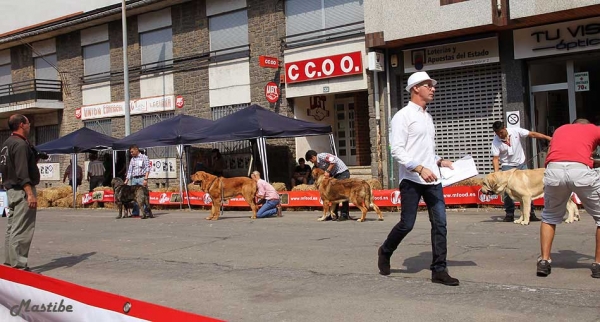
19 229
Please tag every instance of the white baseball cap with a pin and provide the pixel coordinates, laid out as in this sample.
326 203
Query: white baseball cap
417 78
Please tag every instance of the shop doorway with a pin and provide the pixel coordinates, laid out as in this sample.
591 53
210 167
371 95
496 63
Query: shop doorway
346 130
562 89
551 110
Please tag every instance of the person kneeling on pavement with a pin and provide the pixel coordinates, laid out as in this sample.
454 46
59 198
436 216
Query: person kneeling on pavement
267 195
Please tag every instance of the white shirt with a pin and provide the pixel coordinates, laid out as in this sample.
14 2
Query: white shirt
412 140
513 154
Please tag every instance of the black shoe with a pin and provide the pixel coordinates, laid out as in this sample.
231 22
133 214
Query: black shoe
509 218
383 262
444 278
343 217
596 270
543 267
533 218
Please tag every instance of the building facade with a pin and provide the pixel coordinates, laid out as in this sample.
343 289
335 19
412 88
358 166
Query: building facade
509 60
64 70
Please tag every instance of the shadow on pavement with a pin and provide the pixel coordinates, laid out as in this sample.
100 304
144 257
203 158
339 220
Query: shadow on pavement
569 259
68 261
423 261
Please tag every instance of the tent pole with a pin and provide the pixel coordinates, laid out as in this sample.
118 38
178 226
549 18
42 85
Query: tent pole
185 183
260 157
180 157
74 178
262 143
332 142
114 157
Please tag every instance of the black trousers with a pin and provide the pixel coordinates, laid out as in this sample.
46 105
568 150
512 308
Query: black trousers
345 204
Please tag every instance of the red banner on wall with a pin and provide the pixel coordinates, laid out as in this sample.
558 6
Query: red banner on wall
467 195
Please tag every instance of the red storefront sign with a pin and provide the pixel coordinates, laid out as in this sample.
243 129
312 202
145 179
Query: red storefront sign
179 101
324 67
268 62
272 92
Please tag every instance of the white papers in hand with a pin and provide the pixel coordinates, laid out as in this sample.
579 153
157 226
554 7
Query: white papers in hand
464 168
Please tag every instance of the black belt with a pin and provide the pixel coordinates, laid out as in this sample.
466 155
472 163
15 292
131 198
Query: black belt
138 176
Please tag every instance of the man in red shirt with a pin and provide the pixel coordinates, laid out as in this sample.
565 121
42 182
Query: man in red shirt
569 169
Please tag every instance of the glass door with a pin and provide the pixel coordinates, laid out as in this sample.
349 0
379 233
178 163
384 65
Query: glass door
551 110
345 130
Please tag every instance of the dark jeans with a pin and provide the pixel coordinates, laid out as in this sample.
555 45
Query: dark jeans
410 195
345 204
509 204
95 181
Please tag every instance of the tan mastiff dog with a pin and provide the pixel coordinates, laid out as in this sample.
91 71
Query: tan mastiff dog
523 186
221 189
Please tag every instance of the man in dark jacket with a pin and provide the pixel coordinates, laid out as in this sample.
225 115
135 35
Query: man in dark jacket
18 163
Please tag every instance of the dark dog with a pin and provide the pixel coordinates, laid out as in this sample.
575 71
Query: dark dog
125 195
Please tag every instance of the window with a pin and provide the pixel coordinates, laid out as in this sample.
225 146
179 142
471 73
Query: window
96 61
157 49
101 126
159 152
44 134
5 80
235 153
45 67
228 30
312 15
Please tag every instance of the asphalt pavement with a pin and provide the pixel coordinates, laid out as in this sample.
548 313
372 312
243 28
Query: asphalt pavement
295 268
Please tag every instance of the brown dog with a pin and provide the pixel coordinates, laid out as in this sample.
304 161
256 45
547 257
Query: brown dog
220 188
334 191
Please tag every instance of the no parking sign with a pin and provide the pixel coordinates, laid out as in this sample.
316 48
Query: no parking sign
513 119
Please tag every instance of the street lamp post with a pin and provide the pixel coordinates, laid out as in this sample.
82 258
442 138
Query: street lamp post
125 72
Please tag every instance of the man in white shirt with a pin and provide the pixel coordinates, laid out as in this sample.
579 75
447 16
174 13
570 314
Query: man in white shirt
412 141
508 152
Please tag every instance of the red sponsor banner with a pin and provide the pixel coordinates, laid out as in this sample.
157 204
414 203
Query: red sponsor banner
324 67
465 195
268 62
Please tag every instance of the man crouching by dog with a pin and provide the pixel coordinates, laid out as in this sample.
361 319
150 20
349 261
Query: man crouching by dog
137 173
569 169
507 149
266 193
412 141
336 168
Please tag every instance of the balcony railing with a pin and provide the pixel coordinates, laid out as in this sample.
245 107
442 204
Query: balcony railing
33 89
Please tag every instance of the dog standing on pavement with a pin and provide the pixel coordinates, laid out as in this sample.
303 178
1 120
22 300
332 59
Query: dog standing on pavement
334 191
125 194
523 186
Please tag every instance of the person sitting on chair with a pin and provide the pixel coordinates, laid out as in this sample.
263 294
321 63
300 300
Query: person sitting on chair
301 173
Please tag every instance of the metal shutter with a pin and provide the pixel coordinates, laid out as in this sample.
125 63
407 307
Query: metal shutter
343 12
101 126
45 134
303 16
96 59
157 46
159 152
44 67
467 101
228 30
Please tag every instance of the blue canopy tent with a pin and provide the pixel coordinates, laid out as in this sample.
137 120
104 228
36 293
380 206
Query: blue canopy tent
168 132
256 122
80 141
